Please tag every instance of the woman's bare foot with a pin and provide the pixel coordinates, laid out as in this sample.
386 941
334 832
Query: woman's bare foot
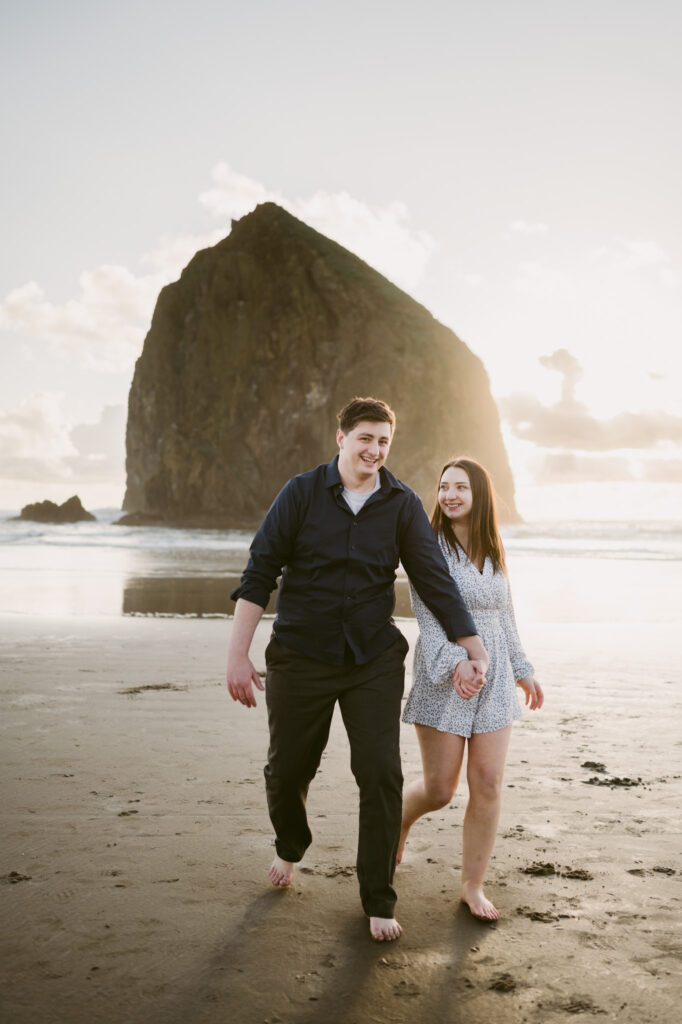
384 929
477 903
404 832
281 872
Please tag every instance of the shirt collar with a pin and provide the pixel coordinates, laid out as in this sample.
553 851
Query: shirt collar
388 481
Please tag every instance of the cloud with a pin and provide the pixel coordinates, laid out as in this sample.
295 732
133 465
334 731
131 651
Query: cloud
569 426
380 235
628 255
100 446
104 325
522 227
171 254
567 467
663 471
34 439
37 443
573 428
234 194
568 366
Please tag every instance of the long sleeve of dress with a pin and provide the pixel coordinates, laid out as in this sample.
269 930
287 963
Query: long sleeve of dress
440 654
517 656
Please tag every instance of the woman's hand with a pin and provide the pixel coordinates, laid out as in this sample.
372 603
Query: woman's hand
468 678
535 698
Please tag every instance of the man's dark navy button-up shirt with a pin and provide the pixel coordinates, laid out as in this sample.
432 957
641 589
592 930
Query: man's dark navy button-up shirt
338 569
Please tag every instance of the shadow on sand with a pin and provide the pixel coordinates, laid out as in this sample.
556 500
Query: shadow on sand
278 965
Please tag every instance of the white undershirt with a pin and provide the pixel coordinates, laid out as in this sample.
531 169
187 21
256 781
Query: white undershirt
356 499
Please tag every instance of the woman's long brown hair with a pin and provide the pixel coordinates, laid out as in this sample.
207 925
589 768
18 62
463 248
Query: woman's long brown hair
484 535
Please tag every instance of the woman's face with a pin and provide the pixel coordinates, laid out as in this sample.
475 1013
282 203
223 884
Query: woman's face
454 495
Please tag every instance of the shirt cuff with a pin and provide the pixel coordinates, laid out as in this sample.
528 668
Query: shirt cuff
251 592
461 625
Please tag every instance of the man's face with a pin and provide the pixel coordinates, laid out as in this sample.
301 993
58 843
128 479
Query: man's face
363 450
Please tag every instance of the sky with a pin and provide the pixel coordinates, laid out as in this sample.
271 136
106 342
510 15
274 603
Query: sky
514 167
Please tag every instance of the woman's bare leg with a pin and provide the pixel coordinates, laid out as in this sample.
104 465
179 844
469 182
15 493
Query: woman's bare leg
485 769
441 762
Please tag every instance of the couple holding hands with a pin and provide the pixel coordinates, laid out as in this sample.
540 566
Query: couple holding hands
336 535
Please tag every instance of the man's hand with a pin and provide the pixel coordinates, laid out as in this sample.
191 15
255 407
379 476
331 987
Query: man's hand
241 678
241 674
468 678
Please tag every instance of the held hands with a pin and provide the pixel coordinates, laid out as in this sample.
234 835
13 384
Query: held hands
535 698
468 678
241 678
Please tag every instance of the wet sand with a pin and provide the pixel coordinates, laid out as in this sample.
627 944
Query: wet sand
136 844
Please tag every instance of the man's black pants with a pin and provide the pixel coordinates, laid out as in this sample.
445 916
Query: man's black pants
301 693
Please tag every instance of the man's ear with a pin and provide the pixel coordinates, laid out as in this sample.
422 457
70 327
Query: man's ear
339 437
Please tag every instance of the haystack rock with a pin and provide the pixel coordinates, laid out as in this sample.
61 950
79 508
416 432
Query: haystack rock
256 347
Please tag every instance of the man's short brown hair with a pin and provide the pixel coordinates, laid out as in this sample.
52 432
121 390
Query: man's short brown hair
372 409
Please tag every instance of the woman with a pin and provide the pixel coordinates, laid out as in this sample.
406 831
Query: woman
478 709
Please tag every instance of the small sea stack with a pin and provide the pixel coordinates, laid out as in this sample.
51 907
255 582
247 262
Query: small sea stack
71 511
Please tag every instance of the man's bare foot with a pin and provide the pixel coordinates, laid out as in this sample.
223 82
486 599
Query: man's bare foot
384 929
281 872
477 903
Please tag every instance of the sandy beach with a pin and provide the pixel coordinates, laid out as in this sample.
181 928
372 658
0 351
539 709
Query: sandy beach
136 844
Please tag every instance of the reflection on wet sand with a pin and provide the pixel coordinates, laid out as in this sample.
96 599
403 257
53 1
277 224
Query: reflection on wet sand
204 595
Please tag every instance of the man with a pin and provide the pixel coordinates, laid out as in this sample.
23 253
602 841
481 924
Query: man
336 535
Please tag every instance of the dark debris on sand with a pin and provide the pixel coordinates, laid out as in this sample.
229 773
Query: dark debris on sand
580 873
132 691
580 1004
642 872
595 766
503 983
13 877
540 869
615 780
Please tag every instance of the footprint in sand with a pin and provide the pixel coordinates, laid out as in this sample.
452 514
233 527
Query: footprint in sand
14 877
544 916
579 1004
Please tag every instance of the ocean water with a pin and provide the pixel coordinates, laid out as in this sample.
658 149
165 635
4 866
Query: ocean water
562 572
